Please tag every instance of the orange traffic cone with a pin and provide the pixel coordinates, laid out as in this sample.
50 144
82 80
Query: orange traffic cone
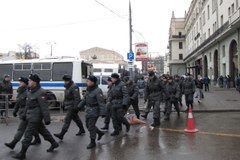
190 124
134 120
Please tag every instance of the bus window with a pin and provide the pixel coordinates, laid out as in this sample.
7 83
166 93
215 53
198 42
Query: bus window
86 70
97 70
21 70
104 80
60 69
5 69
108 70
43 70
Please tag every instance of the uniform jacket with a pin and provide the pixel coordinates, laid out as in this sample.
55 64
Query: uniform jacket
155 90
21 100
188 86
37 105
94 102
71 95
132 90
118 95
6 88
174 91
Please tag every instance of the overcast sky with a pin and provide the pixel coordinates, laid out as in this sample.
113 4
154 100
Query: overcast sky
76 25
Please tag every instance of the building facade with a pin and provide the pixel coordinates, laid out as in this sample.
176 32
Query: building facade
176 46
212 37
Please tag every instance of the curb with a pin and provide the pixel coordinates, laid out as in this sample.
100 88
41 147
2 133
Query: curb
201 110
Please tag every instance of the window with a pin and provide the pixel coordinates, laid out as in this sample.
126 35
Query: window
203 17
180 45
43 70
60 69
5 69
229 11
108 70
86 70
21 70
233 9
208 32
200 23
221 20
97 70
214 5
213 28
223 51
179 34
236 5
104 80
180 56
221 1
208 12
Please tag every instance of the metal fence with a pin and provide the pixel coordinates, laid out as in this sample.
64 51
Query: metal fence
7 107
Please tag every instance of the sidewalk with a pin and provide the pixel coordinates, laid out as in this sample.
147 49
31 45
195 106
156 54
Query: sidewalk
216 100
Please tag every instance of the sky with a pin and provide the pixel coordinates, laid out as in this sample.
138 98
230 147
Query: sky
77 25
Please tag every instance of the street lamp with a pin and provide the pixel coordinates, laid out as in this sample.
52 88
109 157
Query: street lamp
51 44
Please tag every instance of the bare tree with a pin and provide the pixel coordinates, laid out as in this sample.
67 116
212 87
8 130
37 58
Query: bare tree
26 51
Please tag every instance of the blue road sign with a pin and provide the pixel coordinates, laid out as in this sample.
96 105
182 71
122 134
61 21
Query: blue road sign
130 56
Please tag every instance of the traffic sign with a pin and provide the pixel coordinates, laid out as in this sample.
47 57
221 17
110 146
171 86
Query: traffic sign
130 56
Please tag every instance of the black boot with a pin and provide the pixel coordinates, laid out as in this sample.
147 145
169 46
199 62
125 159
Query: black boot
12 144
60 135
36 141
92 144
156 122
105 127
22 153
100 134
54 145
167 117
127 127
145 115
138 116
115 133
81 132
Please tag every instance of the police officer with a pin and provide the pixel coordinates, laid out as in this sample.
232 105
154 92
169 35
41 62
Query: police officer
36 111
154 91
96 107
120 99
6 89
133 94
108 114
71 100
188 90
180 84
19 108
174 93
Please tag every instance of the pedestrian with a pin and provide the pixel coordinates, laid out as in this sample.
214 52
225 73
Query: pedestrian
108 114
173 90
188 90
6 91
71 100
119 99
206 83
36 111
199 85
95 107
19 109
229 81
154 91
133 95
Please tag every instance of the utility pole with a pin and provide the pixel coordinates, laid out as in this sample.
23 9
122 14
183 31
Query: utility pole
51 45
130 63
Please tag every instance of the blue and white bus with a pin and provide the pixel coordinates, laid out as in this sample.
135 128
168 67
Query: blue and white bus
51 71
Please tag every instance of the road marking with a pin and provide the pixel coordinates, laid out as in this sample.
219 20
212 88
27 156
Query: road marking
201 132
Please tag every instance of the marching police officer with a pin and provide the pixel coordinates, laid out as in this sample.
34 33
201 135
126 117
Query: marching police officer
180 84
35 112
6 89
154 91
71 100
189 90
133 94
119 100
108 115
174 93
19 108
95 107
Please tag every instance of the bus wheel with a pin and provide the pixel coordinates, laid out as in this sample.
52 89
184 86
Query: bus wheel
52 99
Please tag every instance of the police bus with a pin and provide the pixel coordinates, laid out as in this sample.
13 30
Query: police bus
51 71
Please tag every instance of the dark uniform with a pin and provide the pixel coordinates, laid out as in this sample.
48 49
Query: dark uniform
6 89
154 91
19 108
133 94
174 93
119 99
95 107
71 101
108 114
180 84
35 112
188 90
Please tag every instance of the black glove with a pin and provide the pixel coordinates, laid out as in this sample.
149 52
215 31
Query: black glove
124 106
14 114
47 122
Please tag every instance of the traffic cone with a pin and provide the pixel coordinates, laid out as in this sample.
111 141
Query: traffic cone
190 124
134 120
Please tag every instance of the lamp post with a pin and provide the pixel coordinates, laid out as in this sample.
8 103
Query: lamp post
51 45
